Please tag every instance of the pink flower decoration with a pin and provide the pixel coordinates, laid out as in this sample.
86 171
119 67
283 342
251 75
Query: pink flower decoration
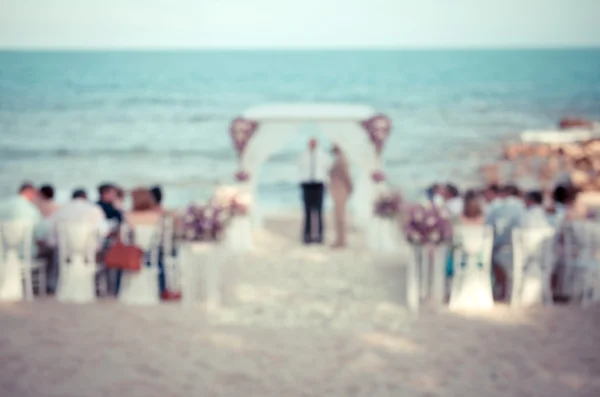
378 127
242 176
428 224
241 131
378 176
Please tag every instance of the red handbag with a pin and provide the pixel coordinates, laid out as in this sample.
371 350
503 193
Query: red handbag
124 257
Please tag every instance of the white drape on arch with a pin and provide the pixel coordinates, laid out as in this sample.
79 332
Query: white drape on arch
267 139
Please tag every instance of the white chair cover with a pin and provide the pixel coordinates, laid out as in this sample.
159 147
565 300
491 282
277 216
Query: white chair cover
472 281
200 264
15 261
431 269
239 234
382 235
586 267
141 287
533 259
77 246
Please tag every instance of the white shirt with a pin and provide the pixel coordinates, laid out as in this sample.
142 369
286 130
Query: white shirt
455 205
78 210
314 166
18 208
504 218
535 217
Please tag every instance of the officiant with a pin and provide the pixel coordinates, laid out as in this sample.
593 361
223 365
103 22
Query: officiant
314 166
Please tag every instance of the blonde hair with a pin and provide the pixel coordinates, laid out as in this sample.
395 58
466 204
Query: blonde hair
142 199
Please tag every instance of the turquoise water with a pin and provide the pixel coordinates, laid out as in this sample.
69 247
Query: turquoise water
80 118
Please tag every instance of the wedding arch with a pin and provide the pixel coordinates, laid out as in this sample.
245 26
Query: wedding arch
359 130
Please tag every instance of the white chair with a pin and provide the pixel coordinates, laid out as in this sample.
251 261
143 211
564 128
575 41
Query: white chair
15 261
586 271
141 287
533 259
472 281
77 267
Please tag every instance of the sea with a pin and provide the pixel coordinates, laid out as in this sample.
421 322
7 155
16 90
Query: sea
138 118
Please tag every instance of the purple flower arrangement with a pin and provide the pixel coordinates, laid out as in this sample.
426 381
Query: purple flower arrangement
388 205
428 224
205 223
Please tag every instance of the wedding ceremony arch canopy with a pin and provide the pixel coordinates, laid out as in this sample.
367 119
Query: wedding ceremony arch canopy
358 130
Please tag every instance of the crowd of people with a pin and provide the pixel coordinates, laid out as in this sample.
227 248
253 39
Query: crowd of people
38 206
506 208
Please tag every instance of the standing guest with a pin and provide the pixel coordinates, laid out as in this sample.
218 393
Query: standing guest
340 187
108 197
535 216
46 202
145 212
314 166
79 209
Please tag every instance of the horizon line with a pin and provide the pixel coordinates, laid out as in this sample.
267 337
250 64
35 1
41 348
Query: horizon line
296 48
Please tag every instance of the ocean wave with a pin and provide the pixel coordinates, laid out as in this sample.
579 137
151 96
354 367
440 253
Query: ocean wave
136 151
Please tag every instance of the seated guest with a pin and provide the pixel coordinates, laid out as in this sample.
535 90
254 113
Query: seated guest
46 202
120 199
108 197
79 209
158 197
504 218
145 212
454 202
491 196
22 208
472 213
535 216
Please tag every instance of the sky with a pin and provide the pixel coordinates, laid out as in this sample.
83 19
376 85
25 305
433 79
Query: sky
241 24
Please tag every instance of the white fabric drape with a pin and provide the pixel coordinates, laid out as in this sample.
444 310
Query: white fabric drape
267 139
354 142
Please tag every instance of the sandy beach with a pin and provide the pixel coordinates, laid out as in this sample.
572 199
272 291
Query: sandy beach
298 321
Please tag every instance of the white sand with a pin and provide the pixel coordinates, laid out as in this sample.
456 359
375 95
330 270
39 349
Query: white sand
298 321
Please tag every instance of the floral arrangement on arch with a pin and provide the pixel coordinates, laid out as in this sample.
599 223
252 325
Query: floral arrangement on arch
388 205
378 176
428 224
378 128
241 131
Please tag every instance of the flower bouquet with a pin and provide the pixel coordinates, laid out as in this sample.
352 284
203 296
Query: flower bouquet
388 205
428 224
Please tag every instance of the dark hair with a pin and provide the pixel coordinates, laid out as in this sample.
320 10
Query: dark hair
535 197
472 207
104 188
47 192
512 190
157 193
452 190
79 193
564 194
142 199
494 188
120 193
26 186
